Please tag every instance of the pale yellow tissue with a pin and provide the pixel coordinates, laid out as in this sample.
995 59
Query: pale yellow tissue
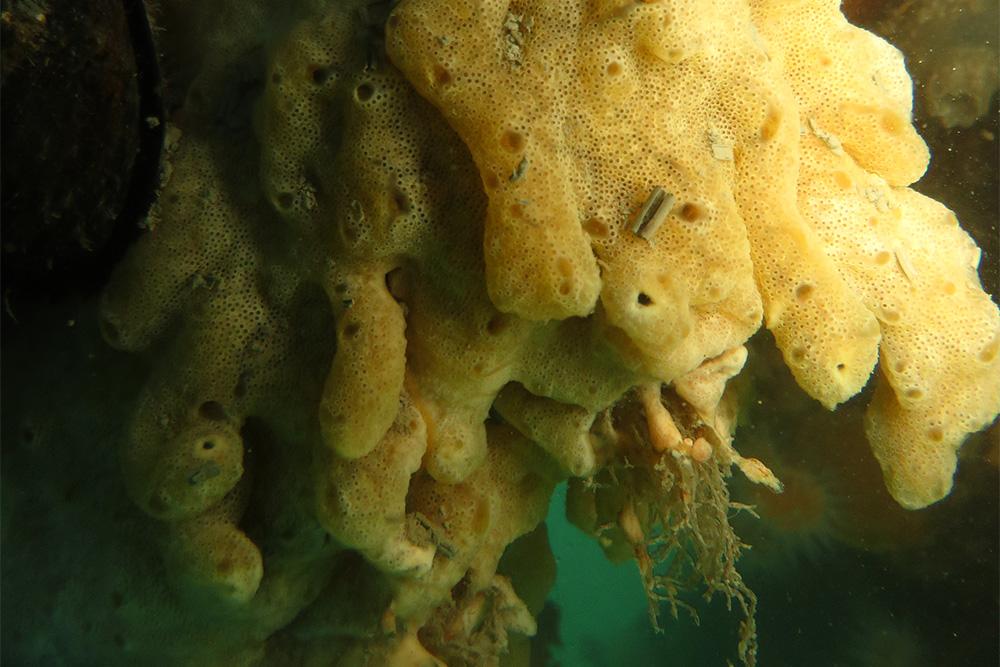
361 397
852 86
417 287
561 430
916 271
209 560
362 502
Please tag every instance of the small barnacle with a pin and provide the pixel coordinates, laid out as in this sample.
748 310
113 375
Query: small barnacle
446 549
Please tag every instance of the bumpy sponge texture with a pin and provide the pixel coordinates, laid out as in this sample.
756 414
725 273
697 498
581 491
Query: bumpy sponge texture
389 312
630 97
903 253
939 377
848 82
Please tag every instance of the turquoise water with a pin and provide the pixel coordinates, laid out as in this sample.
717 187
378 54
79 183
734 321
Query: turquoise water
603 604
836 605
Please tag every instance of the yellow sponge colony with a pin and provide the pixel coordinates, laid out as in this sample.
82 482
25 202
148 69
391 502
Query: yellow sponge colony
902 253
578 116
386 316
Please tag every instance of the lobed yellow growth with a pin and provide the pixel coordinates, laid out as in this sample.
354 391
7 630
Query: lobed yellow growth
848 83
564 431
573 79
360 400
209 559
471 523
627 96
559 200
363 501
902 253
915 268
422 296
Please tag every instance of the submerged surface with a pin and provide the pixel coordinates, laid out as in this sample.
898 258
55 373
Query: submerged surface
384 314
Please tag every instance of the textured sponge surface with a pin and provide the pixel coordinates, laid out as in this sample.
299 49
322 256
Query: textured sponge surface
409 269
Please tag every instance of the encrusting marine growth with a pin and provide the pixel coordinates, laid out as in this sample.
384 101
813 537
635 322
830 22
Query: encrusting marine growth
411 269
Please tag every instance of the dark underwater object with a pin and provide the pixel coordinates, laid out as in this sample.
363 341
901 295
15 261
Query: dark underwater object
82 128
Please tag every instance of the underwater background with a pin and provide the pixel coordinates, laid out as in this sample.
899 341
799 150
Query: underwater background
843 576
